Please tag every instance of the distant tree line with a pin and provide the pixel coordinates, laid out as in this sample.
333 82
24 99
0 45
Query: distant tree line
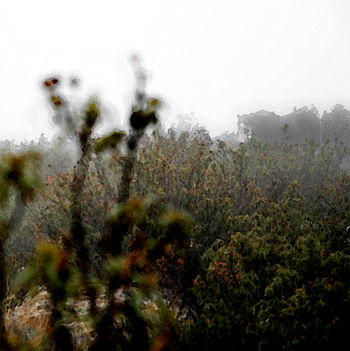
299 126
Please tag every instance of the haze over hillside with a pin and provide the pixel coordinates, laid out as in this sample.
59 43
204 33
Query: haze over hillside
216 59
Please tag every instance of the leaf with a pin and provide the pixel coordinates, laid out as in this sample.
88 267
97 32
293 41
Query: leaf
110 141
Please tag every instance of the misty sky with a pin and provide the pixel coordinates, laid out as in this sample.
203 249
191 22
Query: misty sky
215 59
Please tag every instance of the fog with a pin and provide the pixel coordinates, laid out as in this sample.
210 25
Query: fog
210 60
174 175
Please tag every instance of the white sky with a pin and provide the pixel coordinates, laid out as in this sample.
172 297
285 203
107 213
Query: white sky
215 58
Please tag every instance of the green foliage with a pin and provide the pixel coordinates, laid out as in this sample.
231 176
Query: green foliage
109 141
277 286
194 244
19 171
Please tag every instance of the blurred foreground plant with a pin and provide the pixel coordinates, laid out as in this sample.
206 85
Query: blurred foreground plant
18 173
128 270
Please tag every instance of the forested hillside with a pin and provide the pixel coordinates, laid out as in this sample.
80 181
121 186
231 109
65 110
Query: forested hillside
174 240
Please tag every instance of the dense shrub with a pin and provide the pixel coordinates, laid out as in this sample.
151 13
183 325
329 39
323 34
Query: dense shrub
193 243
279 285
